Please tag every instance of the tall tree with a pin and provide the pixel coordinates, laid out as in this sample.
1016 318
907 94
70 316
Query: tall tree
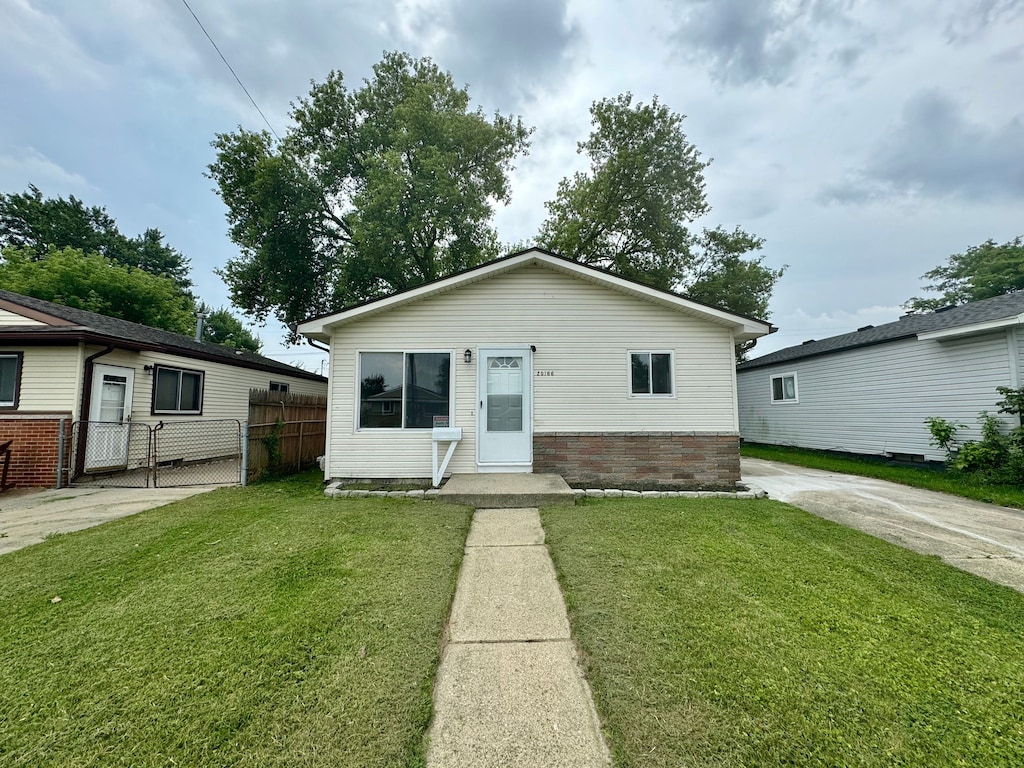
36 224
98 284
980 272
633 212
372 190
221 327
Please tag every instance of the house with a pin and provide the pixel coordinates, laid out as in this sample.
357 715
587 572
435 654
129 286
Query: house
535 363
869 392
61 367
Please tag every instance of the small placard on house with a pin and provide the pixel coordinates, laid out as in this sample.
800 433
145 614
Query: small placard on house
441 421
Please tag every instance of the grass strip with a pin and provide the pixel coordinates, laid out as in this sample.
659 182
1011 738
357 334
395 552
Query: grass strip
267 626
918 477
750 633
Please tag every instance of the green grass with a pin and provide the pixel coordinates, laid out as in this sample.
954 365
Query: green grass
749 633
267 626
930 479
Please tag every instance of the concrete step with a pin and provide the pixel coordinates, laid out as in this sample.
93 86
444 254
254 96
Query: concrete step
501 490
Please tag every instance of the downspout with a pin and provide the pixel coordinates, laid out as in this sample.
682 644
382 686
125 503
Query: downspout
83 429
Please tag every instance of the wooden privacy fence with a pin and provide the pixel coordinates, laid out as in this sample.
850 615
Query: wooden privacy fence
286 433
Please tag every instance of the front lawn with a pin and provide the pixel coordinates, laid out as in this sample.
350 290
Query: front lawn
918 477
244 627
750 633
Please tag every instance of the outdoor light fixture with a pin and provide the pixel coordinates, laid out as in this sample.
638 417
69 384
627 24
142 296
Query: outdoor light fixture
148 369
468 355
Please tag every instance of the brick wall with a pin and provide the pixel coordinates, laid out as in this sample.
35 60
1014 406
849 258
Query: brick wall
640 460
34 453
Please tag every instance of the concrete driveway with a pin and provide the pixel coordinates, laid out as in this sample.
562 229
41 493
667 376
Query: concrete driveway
983 539
27 517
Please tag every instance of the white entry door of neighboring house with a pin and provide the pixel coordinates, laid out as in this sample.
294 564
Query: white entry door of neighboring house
110 409
505 414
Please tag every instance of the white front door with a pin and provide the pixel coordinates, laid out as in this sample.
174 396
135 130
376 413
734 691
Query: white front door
505 416
110 409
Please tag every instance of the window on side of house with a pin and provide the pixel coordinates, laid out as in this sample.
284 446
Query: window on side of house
10 378
279 386
650 374
403 390
177 390
784 388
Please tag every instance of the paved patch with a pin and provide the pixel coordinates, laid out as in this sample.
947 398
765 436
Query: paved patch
983 539
507 593
505 528
514 704
27 518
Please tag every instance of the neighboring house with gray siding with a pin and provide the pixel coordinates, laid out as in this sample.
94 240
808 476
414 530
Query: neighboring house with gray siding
60 364
869 392
538 364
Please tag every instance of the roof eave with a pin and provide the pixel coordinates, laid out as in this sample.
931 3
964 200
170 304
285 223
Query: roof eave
79 334
971 330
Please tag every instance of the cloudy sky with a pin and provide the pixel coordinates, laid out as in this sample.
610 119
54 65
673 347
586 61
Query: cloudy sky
865 140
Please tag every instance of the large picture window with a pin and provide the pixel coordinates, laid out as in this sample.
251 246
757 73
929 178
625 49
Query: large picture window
176 390
10 378
403 390
650 373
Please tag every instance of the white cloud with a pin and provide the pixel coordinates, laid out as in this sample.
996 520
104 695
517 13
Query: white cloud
28 165
41 45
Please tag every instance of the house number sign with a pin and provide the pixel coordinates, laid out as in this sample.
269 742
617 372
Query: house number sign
543 373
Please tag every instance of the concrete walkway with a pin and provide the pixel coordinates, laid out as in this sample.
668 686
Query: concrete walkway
509 691
983 539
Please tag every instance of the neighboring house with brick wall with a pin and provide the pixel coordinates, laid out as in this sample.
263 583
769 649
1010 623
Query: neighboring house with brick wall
63 365
538 364
869 392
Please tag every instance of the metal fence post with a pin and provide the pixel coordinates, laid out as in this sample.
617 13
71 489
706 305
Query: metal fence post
60 455
245 453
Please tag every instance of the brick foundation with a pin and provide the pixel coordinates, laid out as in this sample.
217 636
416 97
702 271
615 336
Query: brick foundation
34 453
641 460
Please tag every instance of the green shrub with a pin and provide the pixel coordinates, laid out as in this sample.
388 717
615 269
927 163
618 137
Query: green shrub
998 458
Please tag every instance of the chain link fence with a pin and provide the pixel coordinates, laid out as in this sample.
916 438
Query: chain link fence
137 455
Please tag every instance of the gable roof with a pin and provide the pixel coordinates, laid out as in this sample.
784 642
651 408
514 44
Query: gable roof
51 323
964 320
744 328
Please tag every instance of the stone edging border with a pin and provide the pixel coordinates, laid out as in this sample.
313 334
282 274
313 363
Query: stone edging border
753 492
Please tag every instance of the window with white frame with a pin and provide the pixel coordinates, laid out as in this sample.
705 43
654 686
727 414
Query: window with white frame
650 373
176 390
403 390
784 388
279 386
10 378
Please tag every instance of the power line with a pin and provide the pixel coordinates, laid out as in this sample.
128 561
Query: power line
232 69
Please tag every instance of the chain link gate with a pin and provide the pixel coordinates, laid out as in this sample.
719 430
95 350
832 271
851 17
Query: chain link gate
138 455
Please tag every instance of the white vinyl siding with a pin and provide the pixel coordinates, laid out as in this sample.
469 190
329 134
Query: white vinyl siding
874 400
13 318
583 333
225 387
49 379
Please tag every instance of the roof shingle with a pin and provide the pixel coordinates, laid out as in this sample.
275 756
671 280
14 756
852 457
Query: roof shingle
908 326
